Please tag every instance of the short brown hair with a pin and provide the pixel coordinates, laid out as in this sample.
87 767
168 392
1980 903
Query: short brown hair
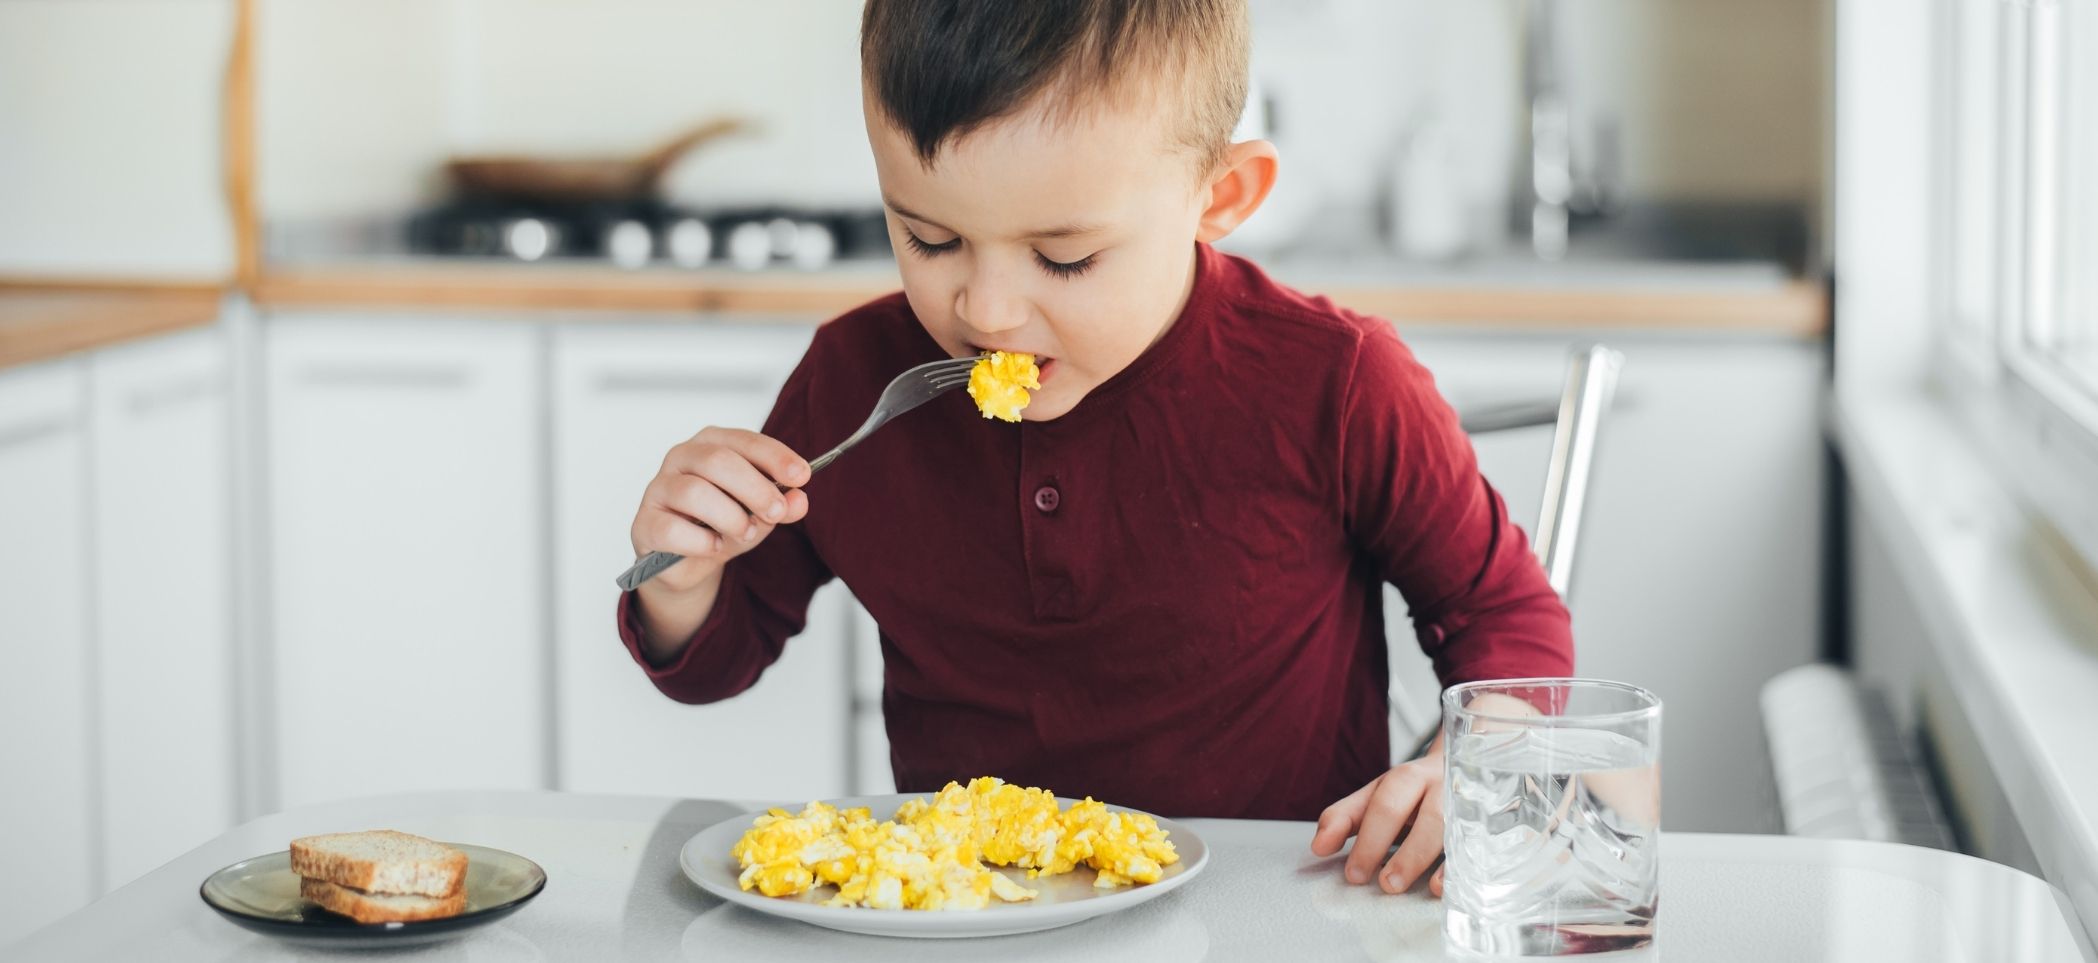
939 69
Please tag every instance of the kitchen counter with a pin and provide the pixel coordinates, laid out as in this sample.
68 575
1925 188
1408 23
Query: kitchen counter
614 891
38 323
1635 297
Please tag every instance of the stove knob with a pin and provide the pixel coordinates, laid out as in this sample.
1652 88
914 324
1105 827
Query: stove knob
690 242
814 245
629 244
749 246
528 238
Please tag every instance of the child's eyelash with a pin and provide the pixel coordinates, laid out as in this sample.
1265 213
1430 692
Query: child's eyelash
1060 269
923 249
1065 269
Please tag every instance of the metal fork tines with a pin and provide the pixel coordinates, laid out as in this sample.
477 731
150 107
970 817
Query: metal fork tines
909 390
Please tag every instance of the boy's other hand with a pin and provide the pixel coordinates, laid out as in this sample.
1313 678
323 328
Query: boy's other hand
1405 806
717 496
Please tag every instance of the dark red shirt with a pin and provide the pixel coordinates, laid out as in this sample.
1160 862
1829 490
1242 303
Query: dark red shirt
1169 598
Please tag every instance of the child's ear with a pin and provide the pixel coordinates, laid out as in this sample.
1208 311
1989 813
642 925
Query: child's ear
1237 187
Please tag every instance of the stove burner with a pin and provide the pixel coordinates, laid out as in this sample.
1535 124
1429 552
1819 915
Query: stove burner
636 234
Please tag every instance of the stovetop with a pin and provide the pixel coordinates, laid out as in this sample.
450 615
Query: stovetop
642 233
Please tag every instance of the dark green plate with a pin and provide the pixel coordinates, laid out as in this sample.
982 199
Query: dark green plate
262 894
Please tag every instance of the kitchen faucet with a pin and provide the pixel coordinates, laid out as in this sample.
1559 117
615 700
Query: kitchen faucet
1551 134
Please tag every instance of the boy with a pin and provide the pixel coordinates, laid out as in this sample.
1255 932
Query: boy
1162 587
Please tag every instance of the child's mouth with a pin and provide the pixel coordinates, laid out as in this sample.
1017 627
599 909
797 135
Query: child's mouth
1043 364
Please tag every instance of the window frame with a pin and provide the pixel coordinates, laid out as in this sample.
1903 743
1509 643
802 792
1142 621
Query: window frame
2032 415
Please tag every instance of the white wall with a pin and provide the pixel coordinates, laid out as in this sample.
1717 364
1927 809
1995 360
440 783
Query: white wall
351 105
1715 98
109 138
1891 650
362 101
109 110
648 68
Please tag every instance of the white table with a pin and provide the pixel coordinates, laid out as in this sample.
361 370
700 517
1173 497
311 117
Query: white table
614 892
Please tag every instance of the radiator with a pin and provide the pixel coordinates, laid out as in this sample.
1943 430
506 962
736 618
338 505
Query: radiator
1842 766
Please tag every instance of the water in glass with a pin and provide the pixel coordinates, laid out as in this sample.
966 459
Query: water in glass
1551 837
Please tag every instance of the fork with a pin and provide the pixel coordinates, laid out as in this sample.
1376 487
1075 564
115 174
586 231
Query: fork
910 389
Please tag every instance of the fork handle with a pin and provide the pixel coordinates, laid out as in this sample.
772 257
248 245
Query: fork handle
653 564
650 566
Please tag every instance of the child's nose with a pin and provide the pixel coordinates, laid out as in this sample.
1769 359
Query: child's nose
985 307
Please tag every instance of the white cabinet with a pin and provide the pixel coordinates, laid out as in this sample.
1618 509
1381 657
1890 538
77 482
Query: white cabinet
406 539
162 527
871 772
46 722
623 396
1699 565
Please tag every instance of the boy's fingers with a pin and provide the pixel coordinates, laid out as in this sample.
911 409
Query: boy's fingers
769 454
754 493
668 532
1423 843
1396 797
1339 820
702 501
1435 882
797 506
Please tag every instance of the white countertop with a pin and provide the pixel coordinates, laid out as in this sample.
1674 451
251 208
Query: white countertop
614 891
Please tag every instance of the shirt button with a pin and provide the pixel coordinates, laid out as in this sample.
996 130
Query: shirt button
1047 498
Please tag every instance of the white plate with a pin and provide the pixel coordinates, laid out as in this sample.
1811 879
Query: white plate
1063 900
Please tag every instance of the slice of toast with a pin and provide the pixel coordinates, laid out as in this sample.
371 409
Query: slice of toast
381 861
371 908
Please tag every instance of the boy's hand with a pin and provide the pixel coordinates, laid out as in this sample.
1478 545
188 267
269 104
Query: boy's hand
1403 805
717 496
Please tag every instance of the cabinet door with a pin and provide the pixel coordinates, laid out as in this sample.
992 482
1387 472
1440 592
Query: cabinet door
406 555
871 773
1699 566
162 536
623 398
45 722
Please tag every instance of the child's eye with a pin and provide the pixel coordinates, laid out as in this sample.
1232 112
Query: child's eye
923 249
1065 269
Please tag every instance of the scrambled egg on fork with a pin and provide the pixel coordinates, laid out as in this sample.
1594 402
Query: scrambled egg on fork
1000 382
932 854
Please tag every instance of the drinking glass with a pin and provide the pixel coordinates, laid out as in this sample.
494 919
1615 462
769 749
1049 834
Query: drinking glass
1552 816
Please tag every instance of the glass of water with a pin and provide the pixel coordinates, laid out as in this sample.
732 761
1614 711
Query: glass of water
1552 816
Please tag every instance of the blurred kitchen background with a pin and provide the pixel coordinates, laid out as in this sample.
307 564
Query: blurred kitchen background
319 438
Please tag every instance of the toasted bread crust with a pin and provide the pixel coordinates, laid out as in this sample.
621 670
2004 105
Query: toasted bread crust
325 858
369 908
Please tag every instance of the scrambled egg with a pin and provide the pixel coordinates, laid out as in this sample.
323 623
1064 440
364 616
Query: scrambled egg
1000 382
932 854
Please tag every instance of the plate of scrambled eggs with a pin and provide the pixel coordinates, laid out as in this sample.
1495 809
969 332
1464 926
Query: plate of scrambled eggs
984 859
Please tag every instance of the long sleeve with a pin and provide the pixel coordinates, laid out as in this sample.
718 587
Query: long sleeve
764 598
1417 504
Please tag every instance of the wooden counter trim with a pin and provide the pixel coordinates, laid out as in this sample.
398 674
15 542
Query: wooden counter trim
13 284
237 146
1793 308
38 325
564 288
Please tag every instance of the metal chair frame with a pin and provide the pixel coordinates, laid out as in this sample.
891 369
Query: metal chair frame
1590 388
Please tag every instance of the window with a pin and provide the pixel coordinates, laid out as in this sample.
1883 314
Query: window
2016 214
2064 327
1970 145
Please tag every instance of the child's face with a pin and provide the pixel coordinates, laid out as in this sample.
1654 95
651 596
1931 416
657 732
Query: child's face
1072 241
